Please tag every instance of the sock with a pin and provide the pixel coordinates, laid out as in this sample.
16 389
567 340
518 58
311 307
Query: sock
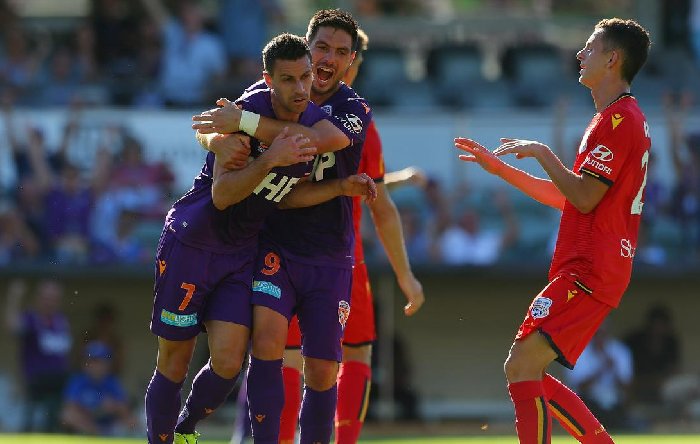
572 413
532 420
316 417
209 391
292 403
241 426
354 382
265 399
162 405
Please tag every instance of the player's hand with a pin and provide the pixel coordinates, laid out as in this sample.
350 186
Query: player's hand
413 290
224 119
232 150
289 149
520 147
479 154
359 185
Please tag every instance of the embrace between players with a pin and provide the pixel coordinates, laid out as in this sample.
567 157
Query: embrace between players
268 224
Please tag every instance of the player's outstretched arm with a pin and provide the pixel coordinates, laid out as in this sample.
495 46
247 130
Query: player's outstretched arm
388 224
232 150
232 186
542 190
228 118
408 175
308 194
582 191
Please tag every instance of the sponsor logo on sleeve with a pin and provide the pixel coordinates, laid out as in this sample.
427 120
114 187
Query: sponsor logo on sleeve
598 157
540 307
267 288
178 320
352 123
328 109
617 119
602 153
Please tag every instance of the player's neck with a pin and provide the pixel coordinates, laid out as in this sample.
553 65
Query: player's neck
319 98
607 92
283 114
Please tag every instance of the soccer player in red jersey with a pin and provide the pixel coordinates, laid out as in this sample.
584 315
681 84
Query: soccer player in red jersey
601 200
354 377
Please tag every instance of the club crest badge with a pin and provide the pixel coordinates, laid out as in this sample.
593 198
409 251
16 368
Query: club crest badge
540 307
343 312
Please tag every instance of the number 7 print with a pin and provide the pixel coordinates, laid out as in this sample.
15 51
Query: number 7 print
189 288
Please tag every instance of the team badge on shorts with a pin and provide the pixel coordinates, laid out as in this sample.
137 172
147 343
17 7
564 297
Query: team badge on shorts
343 312
540 307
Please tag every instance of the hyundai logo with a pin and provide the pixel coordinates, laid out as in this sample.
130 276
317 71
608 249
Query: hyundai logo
602 153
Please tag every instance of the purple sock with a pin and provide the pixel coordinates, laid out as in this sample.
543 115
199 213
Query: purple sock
265 399
162 406
316 416
241 426
209 391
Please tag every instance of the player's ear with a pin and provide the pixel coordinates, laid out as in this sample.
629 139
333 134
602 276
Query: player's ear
267 78
613 58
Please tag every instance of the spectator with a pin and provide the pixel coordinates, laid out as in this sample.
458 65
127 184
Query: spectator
103 329
20 68
656 356
685 153
243 41
95 401
602 378
193 59
17 242
466 242
44 345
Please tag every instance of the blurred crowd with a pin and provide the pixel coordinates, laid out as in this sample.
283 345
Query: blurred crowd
66 384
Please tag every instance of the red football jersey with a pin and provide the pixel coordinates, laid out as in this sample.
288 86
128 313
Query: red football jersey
371 163
598 247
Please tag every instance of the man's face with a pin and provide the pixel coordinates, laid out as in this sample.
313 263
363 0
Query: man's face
593 59
290 83
332 54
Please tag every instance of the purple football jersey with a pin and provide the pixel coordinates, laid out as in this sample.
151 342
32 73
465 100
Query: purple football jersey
324 234
45 345
194 219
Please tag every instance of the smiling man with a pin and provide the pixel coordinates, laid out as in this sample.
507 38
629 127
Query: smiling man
601 199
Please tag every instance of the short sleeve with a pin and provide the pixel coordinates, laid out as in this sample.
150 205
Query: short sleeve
610 144
352 117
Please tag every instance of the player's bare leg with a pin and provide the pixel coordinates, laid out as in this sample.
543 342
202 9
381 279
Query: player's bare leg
354 382
265 387
320 397
163 393
228 343
527 360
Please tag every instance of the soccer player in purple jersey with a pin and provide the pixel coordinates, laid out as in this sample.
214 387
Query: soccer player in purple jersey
206 252
305 258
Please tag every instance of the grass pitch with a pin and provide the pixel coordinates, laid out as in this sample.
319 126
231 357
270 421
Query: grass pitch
624 439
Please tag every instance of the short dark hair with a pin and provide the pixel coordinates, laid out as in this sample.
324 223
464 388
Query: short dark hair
284 47
334 18
631 38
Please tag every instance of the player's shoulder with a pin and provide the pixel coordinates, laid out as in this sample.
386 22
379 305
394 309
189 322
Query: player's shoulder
348 97
624 114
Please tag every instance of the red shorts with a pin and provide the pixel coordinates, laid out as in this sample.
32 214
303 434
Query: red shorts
568 317
359 329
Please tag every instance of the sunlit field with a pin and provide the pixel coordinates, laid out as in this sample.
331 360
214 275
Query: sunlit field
628 439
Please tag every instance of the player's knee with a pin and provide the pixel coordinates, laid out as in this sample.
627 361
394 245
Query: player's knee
320 374
173 367
268 347
226 365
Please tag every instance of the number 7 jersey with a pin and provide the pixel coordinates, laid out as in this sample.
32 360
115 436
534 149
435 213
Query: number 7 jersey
598 248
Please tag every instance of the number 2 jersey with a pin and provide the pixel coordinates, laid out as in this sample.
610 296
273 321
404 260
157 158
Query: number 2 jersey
196 222
598 248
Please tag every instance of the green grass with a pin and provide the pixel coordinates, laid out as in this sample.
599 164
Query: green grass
627 439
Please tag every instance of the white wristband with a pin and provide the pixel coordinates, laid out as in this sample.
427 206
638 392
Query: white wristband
249 122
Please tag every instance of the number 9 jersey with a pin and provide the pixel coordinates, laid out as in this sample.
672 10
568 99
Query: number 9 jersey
598 248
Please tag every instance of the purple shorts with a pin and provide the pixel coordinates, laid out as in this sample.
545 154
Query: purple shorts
193 286
318 295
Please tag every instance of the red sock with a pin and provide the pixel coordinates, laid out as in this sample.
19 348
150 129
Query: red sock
532 420
292 403
354 381
573 414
